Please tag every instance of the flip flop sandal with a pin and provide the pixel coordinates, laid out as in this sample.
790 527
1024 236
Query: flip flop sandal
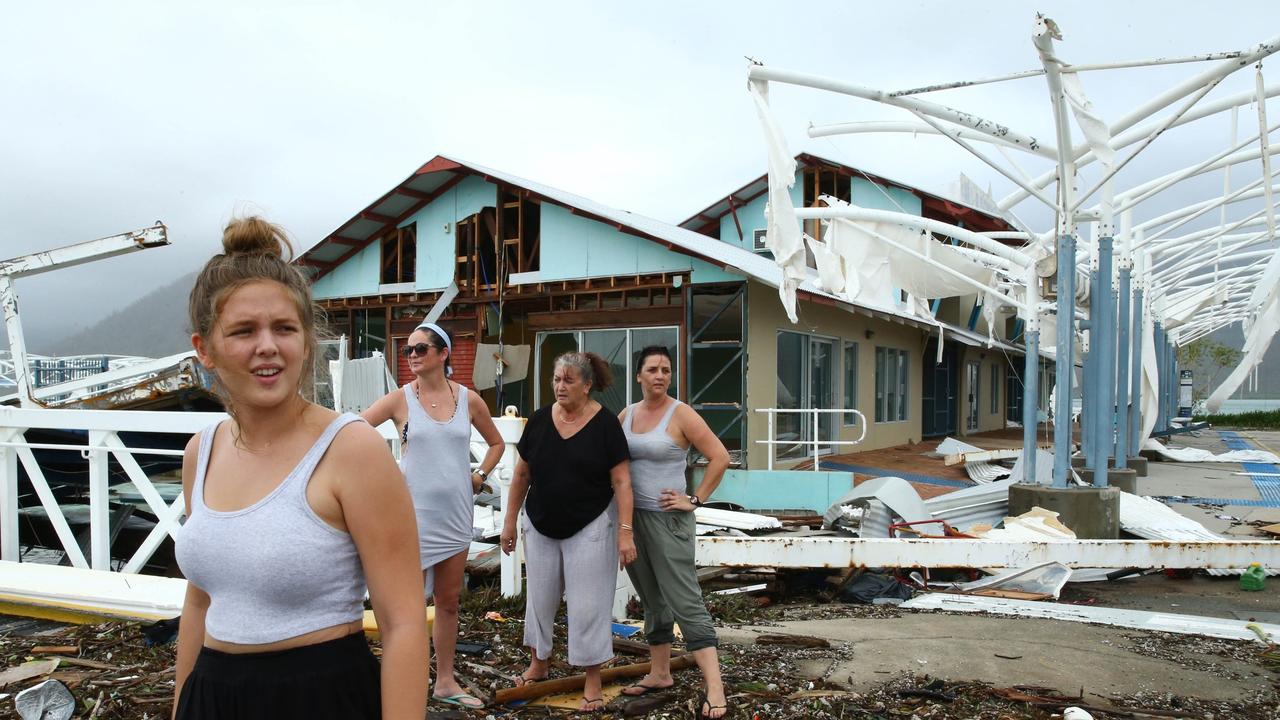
707 709
593 705
522 680
644 689
461 700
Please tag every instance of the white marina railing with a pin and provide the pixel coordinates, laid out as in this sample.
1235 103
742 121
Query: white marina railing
816 442
102 430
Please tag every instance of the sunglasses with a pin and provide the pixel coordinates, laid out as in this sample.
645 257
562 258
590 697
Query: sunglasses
419 349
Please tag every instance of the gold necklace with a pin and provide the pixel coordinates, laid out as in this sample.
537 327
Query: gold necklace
564 417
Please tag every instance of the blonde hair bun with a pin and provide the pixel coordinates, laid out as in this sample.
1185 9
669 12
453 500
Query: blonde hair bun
254 236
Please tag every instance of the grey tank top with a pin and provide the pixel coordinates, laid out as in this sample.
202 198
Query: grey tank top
273 570
657 462
436 462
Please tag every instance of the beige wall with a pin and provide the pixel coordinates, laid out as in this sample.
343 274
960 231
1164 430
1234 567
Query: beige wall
766 317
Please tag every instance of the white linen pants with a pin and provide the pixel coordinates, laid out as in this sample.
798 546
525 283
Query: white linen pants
583 569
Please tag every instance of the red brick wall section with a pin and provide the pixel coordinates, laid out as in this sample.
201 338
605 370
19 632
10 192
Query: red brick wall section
463 360
403 375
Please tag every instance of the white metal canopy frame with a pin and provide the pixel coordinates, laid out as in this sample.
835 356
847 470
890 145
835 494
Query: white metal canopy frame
1145 279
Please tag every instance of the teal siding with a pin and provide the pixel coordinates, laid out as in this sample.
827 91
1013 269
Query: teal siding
873 195
782 489
436 258
575 247
751 216
359 275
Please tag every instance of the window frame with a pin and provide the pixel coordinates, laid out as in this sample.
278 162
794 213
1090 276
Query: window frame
849 395
995 388
901 374
629 381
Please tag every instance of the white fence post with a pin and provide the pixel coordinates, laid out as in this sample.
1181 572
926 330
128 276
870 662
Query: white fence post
99 512
9 496
511 427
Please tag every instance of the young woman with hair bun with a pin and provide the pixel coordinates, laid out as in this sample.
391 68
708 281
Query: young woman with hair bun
574 482
292 511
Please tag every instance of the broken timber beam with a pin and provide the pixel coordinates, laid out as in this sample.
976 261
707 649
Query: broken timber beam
537 689
982 456
828 552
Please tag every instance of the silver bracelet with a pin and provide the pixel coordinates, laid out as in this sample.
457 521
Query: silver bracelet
625 526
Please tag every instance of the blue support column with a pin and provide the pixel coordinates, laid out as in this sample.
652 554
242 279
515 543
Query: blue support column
1175 383
1135 360
1088 383
1162 418
1102 348
1122 372
1064 361
1030 397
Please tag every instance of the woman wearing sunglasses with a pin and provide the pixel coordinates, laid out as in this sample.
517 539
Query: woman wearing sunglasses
435 416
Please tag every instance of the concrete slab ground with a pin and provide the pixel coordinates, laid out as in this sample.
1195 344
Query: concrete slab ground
1063 655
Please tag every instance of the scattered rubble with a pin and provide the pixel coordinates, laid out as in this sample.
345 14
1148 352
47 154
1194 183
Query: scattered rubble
114 674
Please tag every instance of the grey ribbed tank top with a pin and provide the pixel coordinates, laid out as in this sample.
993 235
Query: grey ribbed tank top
273 570
657 462
436 462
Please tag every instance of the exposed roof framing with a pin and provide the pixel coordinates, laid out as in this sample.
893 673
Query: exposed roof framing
707 219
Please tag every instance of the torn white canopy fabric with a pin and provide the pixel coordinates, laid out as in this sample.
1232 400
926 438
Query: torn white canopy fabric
1260 329
1185 454
782 229
1150 406
1183 307
880 254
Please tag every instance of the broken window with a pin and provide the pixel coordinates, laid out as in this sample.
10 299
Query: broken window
495 243
399 255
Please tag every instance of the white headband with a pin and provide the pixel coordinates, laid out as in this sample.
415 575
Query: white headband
440 333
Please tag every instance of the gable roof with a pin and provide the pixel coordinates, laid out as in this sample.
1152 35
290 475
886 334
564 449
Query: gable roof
440 173
701 220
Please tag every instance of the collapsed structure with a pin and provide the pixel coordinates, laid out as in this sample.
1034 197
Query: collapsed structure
1122 300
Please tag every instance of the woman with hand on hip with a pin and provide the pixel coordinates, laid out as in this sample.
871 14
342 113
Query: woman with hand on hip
659 431
573 481
292 509
435 415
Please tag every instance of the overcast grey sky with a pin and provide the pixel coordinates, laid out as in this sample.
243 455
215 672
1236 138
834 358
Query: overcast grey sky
119 114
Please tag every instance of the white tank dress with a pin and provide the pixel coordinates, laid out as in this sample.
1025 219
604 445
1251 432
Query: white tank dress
436 462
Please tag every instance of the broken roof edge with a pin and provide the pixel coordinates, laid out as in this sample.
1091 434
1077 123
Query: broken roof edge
808 159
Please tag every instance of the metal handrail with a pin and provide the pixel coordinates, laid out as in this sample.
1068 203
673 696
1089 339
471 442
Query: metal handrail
862 425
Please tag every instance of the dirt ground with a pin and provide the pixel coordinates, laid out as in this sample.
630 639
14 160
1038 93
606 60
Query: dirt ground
880 662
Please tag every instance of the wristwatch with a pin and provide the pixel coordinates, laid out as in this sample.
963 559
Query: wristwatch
696 502
480 471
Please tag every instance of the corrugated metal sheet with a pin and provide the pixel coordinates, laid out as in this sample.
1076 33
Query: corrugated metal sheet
1163 622
1153 520
961 509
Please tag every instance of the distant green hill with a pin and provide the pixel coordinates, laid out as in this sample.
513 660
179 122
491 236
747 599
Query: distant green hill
154 326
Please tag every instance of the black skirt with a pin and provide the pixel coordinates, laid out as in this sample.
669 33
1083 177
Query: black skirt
334 679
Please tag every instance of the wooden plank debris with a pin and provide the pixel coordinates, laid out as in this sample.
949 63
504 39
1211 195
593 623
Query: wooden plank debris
576 682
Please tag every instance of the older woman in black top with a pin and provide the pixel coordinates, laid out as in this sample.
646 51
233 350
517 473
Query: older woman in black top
574 481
